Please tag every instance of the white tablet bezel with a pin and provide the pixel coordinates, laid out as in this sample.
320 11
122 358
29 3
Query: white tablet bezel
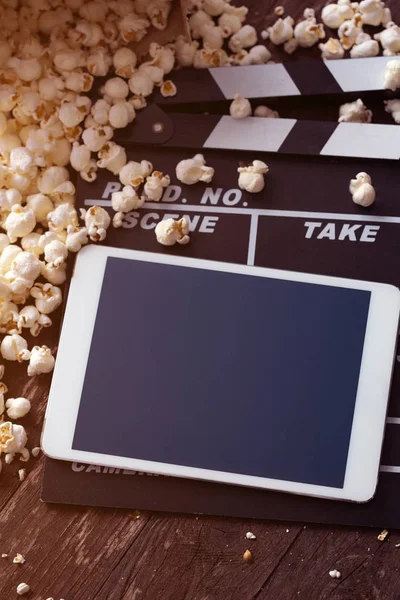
374 383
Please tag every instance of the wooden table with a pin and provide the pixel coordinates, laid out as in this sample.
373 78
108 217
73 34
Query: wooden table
88 554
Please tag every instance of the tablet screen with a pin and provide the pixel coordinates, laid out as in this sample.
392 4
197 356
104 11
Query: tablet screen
223 371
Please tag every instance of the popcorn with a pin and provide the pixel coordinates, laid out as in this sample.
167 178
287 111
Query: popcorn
4 241
152 72
13 439
79 82
134 173
93 11
393 108
30 243
335 574
259 55
213 36
140 84
17 408
90 173
30 318
112 157
116 88
25 268
185 51
133 28
197 21
26 69
52 180
240 107
193 170
23 588
86 34
96 137
162 57
99 62
15 348
349 31
97 221
154 186
251 178
229 23
308 32
333 15
71 115
214 7
265 112
121 115
55 253
366 48
355 112
244 38
389 39
51 89
80 157
168 89
41 361
8 97
281 31
47 297
124 61
362 191
126 200
76 238
392 75
7 256
19 222
207 57
100 111
332 49
8 198
62 216
372 12
169 232
69 60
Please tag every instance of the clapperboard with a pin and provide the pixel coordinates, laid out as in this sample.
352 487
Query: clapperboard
304 220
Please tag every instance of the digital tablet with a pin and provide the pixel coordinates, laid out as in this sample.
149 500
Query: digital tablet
228 373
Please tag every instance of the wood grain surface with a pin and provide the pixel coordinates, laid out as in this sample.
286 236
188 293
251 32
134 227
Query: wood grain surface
87 554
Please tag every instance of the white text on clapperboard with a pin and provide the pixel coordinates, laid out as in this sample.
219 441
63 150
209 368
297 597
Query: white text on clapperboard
319 230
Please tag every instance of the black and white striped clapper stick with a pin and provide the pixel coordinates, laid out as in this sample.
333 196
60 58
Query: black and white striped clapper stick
285 136
273 81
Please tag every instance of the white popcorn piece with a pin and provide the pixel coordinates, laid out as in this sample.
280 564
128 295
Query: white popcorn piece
121 114
80 157
97 221
193 170
99 112
112 157
35 451
333 15
214 7
23 588
389 39
250 536
15 348
41 361
55 253
4 241
19 222
168 89
265 112
332 49
30 318
18 558
240 107
246 37
62 216
364 47
372 12
197 21
169 232
241 58
51 180
335 574
71 115
99 62
124 61
76 238
47 297
392 75
154 187
118 219
259 55
349 31
125 200
185 51
13 439
25 269
96 137
41 206
281 31
229 24
7 256
133 28
21 160
28 69
208 57
212 36
116 88
140 84
134 173
30 243
162 57
251 178
152 72
308 32
393 108
355 112
17 408
79 82
362 191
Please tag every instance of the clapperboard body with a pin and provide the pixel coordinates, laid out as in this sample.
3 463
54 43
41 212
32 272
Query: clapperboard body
304 220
